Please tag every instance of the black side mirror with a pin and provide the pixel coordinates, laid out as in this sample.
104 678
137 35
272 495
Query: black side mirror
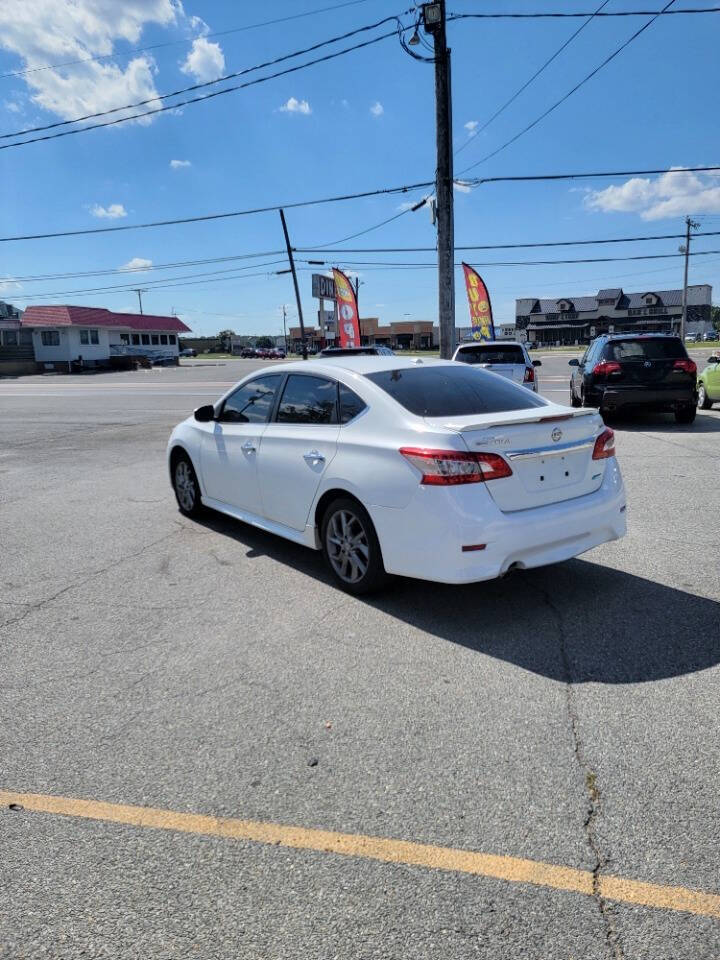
713 359
537 363
574 362
205 414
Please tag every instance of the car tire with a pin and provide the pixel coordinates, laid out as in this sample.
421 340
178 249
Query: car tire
186 486
703 400
351 547
685 414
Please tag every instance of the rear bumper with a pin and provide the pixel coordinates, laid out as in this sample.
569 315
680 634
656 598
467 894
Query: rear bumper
617 398
425 539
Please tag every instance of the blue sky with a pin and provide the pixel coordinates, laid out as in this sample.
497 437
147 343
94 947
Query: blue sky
360 122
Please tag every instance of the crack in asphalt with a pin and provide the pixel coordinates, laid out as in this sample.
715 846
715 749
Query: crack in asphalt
612 938
39 604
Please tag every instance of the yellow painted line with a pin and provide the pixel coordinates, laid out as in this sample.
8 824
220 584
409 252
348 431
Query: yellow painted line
386 850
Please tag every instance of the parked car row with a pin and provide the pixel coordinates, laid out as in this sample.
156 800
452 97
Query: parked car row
263 353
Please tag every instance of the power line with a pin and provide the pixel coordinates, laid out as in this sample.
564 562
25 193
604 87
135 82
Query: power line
175 43
578 13
218 216
120 271
532 78
383 191
377 265
210 83
515 246
570 92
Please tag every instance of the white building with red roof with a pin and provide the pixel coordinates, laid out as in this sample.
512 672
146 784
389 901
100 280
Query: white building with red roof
63 335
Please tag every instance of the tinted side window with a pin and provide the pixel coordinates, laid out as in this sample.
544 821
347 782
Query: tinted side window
455 390
350 404
308 400
252 402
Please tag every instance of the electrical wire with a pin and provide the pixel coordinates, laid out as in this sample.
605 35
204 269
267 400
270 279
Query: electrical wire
218 216
578 13
172 282
515 246
174 43
570 92
210 83
532 78
383 191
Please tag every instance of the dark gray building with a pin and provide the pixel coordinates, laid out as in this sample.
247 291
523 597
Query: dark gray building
572 319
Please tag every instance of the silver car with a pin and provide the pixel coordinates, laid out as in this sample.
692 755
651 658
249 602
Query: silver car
509 359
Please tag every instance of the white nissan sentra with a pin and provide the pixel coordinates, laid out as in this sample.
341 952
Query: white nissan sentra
423 468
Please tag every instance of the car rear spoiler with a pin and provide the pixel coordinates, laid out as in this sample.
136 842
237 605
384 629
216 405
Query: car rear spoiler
532 416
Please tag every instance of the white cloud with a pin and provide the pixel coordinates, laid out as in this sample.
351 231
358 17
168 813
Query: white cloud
296 106
377 109
461 187
7 285
13 106
471 126
178 164
409 204
112 212
205 61
344 103
674 194
47 32
137 263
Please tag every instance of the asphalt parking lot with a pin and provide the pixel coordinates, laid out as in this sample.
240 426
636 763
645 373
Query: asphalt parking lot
561 723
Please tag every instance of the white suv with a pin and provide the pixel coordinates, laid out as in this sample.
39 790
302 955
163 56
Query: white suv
508 358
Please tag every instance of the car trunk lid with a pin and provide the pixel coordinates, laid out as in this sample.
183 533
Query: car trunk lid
549 450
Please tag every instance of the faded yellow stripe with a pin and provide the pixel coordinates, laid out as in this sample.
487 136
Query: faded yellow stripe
512 869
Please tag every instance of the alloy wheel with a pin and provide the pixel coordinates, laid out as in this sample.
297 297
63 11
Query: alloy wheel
185 485
347 546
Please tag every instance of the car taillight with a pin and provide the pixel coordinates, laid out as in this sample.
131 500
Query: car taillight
442 468
687 365
605 367
529 375
604 445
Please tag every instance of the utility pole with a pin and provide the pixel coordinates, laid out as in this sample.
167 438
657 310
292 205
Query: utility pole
689 225
434 20
140 292
295 282
285 326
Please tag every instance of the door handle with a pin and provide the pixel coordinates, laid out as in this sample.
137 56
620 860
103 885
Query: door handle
249 447
314 456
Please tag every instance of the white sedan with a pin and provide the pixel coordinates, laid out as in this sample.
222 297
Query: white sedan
423 468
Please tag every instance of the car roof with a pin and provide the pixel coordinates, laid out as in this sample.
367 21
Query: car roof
353 364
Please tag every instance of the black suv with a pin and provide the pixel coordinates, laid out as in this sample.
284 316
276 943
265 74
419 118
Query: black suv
636 371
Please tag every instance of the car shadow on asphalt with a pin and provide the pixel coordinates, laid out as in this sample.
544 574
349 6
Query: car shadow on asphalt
704 422
575 622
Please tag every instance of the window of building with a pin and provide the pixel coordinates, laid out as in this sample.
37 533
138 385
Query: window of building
551 316
606 301
136 339
89 336
252 402
124 338
155 339
163 338
635 311
569 315
308 400
50 338
145 339
171 338
10 338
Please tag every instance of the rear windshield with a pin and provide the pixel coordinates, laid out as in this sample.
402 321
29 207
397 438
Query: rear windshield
657 348
491 353
453 391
